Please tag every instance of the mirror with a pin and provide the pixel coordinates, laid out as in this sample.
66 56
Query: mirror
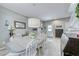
19 25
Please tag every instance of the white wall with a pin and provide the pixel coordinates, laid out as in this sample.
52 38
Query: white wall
55 23
6 14
58 23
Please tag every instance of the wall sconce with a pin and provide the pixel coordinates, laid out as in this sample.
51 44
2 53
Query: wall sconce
11 29
6 23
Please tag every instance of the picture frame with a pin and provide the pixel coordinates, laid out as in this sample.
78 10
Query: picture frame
19 25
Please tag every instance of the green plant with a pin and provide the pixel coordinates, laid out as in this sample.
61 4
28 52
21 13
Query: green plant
77 11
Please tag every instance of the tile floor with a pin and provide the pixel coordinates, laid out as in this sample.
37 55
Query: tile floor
51 47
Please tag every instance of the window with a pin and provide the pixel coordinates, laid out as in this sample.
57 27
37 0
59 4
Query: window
49 27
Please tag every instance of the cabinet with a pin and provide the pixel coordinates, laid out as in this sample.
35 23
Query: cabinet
72 47
58 33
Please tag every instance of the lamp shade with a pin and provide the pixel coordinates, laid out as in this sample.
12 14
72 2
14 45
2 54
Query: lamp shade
33 22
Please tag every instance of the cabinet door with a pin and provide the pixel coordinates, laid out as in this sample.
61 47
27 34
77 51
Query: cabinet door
72 47
58 32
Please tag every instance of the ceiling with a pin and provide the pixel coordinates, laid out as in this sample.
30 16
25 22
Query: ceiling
43 11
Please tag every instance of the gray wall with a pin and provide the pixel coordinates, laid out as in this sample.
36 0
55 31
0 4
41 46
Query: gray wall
9 15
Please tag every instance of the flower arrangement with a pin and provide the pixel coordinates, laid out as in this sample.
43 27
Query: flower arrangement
32 35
